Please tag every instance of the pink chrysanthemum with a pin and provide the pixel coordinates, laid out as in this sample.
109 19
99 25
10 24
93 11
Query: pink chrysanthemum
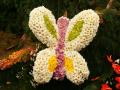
62 27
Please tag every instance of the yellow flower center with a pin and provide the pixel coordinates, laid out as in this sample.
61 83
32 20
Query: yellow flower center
52 64
69 64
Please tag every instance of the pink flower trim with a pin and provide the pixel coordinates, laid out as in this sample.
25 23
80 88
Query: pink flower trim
62 24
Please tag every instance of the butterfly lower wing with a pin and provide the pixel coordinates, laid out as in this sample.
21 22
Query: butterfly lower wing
81 30
43 69
43 24
76 67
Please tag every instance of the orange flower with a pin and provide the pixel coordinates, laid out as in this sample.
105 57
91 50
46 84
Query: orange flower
15 57
95 78
105 87
109 58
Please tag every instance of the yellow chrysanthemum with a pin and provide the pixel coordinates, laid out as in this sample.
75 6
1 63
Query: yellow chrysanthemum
52 63
69 64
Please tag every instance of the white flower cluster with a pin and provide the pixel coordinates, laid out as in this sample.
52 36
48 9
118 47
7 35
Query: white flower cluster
90 25
41 72
80 72
38 27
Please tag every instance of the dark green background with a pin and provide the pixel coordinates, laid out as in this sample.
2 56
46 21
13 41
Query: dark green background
14 15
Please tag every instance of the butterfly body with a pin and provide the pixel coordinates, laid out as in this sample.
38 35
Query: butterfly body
62 24
64 40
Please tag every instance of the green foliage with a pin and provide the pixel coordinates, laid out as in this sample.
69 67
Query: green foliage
91 87
75 30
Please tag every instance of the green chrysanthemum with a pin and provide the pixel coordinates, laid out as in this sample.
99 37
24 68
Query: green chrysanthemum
50 26
76 30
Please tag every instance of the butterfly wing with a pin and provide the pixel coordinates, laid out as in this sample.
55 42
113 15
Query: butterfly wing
81 30
76 67
44 66
43 25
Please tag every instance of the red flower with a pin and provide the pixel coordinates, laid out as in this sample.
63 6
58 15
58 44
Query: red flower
116 68
117 79
105 87
117 86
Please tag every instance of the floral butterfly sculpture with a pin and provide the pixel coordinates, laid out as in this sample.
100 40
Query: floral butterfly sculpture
63 40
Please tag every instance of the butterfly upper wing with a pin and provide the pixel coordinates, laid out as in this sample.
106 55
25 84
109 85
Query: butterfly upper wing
76 67
81 30
43 25
44 66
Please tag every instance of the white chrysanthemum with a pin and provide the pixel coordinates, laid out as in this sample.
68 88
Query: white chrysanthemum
41 72
80 69
90 25
38 27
